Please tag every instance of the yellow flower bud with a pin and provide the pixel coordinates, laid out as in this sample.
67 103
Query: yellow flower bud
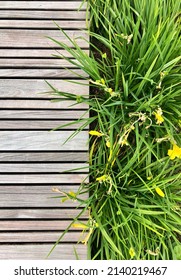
159 192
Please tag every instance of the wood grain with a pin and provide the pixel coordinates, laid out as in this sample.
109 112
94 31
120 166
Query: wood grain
36 63
40 252
41 179
42 167
37 125
40 237
42 14
45 189
42 5
38 88
39 38
36 200
43 114
41 73
35 53
40 104
57 156
44 24
41 214
28 225
42 141
32 160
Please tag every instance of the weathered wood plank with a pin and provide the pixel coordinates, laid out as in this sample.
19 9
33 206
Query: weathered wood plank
42 5
41 179
24 225
38 38
34 88
40 104
41 214
34 252
35 53
43 14
41 73
42 141
43 156
42 167
40 237
38 124
39 189
35 200
38 63
41 24
43 114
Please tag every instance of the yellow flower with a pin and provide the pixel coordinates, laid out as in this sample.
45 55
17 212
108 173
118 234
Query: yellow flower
175 152
108 144
102 81
104 55
86 239
132 252
123 141
159 192
158 116
81 226
110 90
96 133
102 178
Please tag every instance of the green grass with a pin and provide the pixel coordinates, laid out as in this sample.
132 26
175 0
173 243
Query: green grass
134 74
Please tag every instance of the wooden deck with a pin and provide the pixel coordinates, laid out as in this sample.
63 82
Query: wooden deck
32 157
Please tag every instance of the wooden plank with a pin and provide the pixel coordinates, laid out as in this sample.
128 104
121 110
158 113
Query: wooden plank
34 88
37 125
40 237
39 189
42 141
41 73
41 179
41 214
38 38
23 225
35 200
35 53
42 167
43 114
41 156
42 24
36 63
35 14
40 104
42 5
35 252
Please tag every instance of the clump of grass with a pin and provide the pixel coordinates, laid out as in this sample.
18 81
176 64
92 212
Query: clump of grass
135 146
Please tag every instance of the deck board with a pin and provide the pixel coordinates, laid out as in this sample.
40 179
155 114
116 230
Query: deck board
78 24
42 5
59 156
39 38
40 252
37 201
39 214
34 88
33 159
39 236
42 14
42 141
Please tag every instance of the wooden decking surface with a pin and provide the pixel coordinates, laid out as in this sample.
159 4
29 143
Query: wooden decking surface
32 157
